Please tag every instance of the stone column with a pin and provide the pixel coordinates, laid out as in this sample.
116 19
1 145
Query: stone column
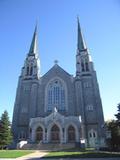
33 135
48 135
45 136
82 137
63 136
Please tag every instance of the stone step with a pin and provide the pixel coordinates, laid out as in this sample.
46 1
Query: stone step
49 146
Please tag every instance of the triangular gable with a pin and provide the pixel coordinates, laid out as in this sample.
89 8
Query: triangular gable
57 68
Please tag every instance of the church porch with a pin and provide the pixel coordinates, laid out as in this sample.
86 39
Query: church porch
55 128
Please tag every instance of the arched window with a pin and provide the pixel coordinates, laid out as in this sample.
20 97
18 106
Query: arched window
31 70
55 133
56 95
71 134
87 68
82 65
39 134
92 134
90 107
27 70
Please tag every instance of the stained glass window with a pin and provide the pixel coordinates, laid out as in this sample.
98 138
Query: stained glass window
56 95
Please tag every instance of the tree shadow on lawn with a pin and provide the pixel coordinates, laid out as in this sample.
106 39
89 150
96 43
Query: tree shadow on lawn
54 155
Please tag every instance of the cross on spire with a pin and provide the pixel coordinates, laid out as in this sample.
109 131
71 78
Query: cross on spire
56 61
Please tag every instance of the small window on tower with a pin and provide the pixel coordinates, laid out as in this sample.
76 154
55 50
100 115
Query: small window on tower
94 135
27 70
24 110
87 68
31 70
89 107
82 65
90 134
87 85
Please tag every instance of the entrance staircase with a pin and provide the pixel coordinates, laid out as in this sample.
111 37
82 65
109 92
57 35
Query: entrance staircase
49 146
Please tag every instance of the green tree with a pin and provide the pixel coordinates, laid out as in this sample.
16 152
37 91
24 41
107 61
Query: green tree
5 130
114 127
118 115
114 141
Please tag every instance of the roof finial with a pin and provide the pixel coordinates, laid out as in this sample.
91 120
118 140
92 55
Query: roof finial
56 61
36 25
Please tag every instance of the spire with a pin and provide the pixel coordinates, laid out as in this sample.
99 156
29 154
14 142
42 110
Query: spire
34 43
31 67
83 59
80 42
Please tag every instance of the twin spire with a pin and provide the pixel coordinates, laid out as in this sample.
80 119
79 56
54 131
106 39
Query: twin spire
82 63
81 46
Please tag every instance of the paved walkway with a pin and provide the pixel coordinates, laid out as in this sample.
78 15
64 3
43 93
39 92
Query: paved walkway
38 158
33 156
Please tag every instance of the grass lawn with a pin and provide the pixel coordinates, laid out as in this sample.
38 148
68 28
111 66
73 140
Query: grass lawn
80 154
13 153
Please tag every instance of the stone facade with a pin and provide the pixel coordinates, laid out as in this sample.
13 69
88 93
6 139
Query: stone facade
58 107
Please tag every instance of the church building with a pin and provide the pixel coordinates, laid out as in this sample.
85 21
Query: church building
58 107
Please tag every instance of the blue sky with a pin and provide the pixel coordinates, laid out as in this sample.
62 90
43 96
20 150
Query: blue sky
57 23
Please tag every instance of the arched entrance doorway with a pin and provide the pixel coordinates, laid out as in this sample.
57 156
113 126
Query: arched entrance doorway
39 134
55 134
71 134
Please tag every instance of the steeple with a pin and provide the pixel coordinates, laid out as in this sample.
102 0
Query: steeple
34 44
80 41
31 69
83 59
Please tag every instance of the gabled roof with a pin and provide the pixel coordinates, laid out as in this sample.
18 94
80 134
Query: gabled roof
57 68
